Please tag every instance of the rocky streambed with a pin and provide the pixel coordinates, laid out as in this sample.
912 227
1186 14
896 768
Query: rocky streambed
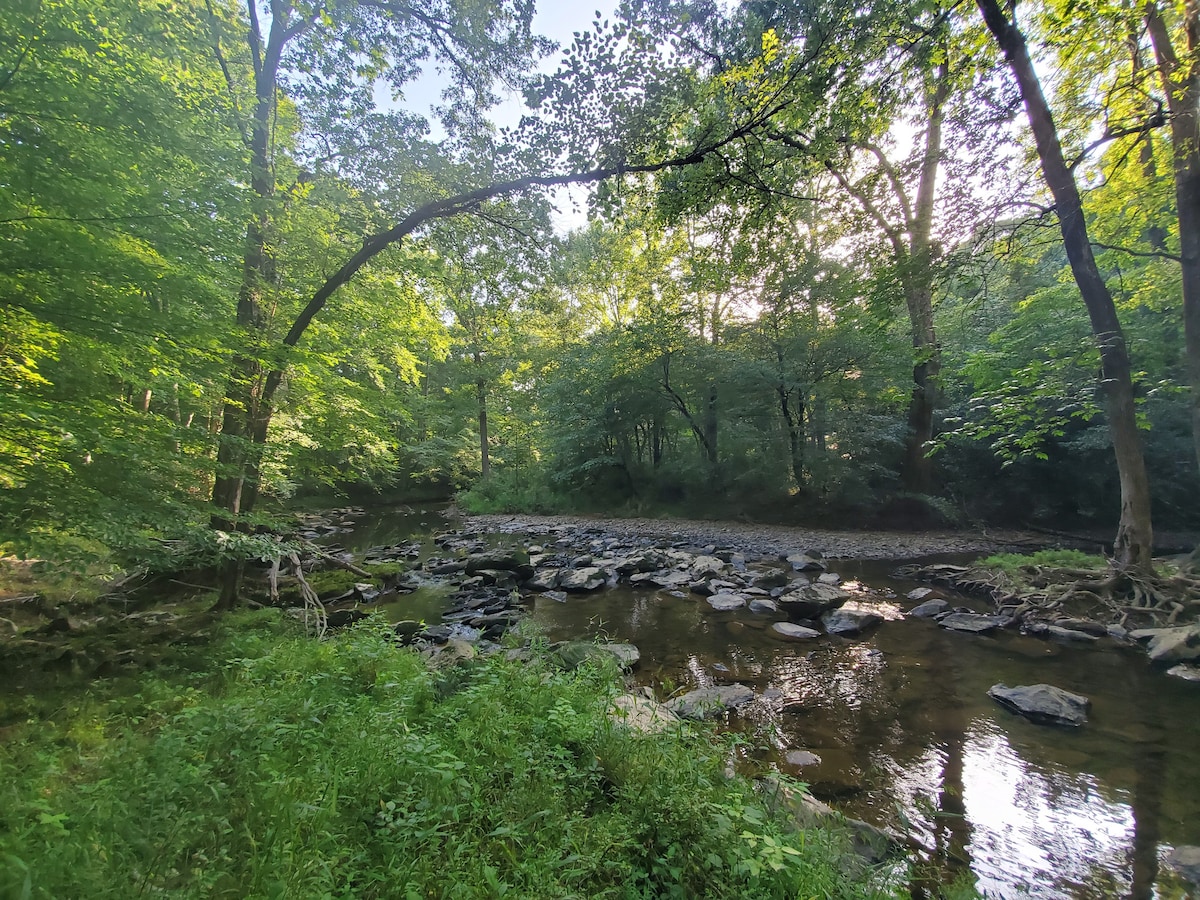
905 704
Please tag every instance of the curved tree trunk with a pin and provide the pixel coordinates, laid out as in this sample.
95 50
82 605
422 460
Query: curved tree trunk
1133 545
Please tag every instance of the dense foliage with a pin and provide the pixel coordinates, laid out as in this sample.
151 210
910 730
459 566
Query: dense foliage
821 276
349 768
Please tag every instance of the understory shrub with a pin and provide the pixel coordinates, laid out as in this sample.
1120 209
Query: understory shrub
349 768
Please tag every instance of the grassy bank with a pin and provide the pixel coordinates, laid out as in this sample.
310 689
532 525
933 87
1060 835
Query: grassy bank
349 768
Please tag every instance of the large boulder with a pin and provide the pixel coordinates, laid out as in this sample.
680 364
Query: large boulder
1042 703
849 621
726 602
511 559
573 654
811 600
1184 860
710 702
806 562
543 580
1171 645
642 714
707 567
929 609
580 581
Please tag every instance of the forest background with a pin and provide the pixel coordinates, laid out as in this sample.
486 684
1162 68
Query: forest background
830 269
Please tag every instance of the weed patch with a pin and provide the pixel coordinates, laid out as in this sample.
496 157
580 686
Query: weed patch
343 768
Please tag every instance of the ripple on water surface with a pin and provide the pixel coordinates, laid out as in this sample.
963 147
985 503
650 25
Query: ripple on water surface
907 737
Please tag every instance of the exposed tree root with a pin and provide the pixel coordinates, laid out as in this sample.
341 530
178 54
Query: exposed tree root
315 618
1167 597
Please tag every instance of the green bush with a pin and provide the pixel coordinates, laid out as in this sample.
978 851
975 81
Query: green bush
347 768
1012 563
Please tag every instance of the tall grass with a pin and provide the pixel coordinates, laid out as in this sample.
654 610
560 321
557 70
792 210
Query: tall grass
348 768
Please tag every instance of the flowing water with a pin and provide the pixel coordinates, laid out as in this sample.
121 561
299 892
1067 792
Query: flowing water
907 737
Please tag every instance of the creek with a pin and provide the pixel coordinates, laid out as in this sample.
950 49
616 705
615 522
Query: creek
896 727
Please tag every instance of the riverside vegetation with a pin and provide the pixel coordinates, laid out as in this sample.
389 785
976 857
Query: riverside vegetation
267 764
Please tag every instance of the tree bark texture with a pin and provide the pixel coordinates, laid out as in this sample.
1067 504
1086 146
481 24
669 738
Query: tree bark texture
1133 545
1181 83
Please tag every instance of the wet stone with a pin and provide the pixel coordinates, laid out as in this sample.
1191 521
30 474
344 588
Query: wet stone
789 632
763 605
920 593
929 609
972 623
726 602
710 702
849 622
1042 703
802 758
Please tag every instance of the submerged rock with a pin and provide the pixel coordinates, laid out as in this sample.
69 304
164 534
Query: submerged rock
802 758
1043 703
970 622
849 622
710 702
790 632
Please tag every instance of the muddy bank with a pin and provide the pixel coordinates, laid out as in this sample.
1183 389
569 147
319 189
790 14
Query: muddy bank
783 539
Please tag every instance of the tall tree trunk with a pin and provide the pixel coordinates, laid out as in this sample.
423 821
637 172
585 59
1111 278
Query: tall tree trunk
485 459
246 412
1134 541
1181 84
917 277
794 421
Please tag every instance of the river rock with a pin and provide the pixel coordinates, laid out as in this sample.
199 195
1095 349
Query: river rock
972 623
642 714
580 581
772 579
1042 703
1185 671
510 559
543 580
920 593
802 758
790 632
1070 635
1184 860
829 578
1171 645
805 562
849 622
726 602
573 654
763 605
811 600
874 845
641 562
929 608
710 702
707 567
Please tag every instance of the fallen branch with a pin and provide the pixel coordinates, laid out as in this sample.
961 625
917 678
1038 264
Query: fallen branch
340 563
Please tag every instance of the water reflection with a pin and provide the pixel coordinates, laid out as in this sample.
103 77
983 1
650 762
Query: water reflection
907 737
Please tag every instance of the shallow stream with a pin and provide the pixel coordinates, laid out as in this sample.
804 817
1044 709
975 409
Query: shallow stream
907 737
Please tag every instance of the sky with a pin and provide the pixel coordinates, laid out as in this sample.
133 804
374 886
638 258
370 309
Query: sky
557 20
